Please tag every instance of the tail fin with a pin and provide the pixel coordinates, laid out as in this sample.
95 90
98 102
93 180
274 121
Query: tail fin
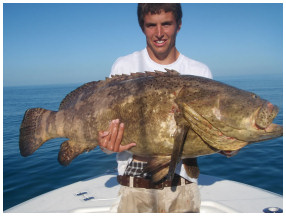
32 131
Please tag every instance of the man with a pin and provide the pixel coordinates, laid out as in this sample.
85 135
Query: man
160 23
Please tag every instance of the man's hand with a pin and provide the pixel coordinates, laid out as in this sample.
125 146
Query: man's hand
110 140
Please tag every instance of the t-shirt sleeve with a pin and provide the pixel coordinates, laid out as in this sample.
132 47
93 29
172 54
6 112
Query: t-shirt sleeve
208 73
115 67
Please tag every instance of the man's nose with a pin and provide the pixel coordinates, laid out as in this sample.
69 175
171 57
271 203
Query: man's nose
159 33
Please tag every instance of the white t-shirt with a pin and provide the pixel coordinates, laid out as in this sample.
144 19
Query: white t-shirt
140 61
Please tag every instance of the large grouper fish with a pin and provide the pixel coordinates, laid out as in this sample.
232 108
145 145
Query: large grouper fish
169 116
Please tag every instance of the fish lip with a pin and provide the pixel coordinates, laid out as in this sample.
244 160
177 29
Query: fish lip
274 127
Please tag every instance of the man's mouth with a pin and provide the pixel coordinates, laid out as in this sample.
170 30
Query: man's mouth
160 42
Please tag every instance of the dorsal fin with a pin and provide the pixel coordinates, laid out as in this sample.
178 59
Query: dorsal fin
172 72
89 88
115 78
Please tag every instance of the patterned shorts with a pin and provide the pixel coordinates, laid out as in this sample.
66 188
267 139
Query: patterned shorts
136 168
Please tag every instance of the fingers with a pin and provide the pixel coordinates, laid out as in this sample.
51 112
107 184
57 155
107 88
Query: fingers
113 136
112 125
119 138
105 136
111 139
101 138
126 147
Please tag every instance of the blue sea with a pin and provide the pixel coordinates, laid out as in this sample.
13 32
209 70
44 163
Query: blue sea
259 164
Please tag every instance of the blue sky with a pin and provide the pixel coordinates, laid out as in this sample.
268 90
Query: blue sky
78 43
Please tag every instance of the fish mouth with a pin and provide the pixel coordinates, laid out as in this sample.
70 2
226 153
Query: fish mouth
263 121
265 115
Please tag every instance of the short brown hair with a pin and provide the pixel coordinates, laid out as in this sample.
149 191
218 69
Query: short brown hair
155 8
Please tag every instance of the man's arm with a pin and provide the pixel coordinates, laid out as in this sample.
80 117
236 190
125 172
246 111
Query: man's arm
110 140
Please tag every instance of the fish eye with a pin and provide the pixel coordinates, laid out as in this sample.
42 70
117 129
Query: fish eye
254 96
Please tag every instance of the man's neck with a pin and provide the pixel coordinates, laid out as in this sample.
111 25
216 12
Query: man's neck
164 59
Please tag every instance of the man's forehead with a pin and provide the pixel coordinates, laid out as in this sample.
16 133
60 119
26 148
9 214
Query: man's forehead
162 15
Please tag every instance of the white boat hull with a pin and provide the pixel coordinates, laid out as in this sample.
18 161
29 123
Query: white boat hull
99 194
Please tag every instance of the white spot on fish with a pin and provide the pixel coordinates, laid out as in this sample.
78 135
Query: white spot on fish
217 113
169 126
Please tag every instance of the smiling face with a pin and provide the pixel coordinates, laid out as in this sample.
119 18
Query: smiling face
160 31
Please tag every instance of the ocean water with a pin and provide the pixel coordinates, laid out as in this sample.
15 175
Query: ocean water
259 164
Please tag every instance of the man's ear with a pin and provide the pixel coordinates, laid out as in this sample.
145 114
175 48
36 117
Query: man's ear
179 26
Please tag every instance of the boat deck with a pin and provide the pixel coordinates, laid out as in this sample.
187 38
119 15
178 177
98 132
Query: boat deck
98 194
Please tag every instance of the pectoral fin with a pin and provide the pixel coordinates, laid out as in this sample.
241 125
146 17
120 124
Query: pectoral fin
211 135
162 166
158 167
180 137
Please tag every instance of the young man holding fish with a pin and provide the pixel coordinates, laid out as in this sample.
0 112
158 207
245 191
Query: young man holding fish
160 23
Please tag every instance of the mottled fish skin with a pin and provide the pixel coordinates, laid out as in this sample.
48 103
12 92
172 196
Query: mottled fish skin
152 105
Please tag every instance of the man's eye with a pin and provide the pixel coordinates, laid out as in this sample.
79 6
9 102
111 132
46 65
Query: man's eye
150 25
166 24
